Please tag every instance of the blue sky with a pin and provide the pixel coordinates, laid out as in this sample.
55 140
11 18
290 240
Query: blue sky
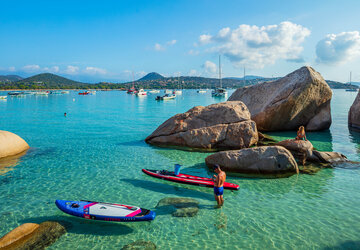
107 40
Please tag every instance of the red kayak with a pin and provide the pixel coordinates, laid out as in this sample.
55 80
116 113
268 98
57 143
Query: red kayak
187 179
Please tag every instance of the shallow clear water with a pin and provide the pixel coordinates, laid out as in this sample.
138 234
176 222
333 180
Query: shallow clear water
97 153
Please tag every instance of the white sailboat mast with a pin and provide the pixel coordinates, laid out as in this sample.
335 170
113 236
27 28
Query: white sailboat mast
220 71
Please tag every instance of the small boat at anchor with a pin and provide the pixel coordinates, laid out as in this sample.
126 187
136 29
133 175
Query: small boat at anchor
141 92
165 97
3 97
84 93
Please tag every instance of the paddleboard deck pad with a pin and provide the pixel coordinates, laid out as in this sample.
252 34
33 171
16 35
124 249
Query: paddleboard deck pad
105 211
187 179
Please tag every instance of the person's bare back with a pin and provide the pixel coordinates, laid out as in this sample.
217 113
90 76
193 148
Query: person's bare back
219 180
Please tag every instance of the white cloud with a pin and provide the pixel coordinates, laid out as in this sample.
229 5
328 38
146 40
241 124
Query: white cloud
172 42
31 68
71 70
53 69
12 69
204 39
209 67
193 52
159 47
193 72
256 46
95 71
338 48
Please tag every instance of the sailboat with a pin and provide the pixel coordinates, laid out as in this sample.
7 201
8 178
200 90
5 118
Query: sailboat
219 92
178 91
132 90
351 89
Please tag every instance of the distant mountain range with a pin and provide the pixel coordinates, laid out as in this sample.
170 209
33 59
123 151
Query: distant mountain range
10 78
152 80
249 77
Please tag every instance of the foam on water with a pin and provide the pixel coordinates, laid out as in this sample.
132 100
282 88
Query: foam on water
97 153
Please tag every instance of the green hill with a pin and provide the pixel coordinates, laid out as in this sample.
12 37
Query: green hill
151 76
10 78
47 81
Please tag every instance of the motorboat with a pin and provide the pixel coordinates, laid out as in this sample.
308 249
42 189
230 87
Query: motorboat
168 91
65 92
154 91
165 97
201 91
141 92
41 93
84 93
3 97
14 93
219 92
177 92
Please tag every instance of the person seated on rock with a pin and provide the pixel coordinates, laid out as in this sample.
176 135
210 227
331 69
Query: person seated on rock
301 134
219 185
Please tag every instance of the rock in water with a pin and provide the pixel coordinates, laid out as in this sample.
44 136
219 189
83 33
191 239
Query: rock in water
225 125
354 113
140 244
11 144
185 207
300 98
273 161
33 236
17 235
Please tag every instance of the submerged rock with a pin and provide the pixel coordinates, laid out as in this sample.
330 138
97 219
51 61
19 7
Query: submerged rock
354 113
33 236
140 244
185 207
300 98
11 144
275 161
17 235
225 125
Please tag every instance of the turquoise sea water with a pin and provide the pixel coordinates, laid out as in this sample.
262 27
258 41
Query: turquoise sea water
97 153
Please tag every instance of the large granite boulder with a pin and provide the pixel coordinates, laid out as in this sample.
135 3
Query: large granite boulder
225 125
300 98
272 161
33 236
354 113
304 151
300 149
11 144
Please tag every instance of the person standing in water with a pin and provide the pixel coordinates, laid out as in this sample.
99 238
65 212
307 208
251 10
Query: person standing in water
219 180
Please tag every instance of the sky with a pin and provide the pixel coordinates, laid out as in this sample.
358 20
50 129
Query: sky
96 41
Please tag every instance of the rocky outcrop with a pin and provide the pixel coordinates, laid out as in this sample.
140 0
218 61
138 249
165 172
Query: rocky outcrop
184 207
225 125
11 144
304 151
140 244
354 113
300 98
33 236
300 149
273 161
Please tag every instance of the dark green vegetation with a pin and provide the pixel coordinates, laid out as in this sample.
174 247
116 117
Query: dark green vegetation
150 81
10 78
151 76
